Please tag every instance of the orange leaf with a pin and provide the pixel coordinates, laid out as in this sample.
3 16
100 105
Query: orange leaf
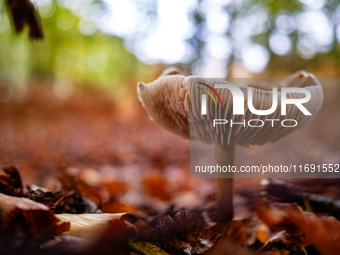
323 233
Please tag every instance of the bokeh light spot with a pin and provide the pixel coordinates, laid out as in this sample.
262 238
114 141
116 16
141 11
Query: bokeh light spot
255 58
280 44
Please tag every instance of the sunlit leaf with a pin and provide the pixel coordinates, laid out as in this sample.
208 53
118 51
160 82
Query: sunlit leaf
88 225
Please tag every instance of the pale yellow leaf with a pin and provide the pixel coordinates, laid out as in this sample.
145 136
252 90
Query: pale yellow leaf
88 225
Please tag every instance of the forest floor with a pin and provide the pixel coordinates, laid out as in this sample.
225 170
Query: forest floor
113 154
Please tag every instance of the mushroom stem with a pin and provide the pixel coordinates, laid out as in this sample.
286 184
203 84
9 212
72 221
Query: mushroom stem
225 157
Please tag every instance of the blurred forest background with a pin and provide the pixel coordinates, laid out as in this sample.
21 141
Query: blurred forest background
70 100
113 44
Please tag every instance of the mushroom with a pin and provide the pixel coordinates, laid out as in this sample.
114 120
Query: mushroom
173 103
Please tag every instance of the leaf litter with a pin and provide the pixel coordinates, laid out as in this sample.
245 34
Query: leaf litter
65 222
102 203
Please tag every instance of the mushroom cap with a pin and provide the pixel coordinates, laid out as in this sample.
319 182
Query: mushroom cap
167 101
174 102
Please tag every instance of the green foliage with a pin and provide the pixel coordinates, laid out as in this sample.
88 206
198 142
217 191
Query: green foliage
305 50
73 49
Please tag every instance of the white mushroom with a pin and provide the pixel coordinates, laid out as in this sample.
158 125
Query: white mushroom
173 103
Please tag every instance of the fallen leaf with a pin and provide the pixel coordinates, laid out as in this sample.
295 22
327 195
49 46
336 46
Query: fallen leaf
113 239
156 186
63 201
323 233
115 188
10 182
116 206
23 13
25 225
282 243
232 237
31 216
88 225
225 246
146 248
234 231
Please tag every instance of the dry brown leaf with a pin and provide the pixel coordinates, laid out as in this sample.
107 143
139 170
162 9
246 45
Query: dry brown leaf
226 247
29 216
115 187
156 186
282 243
10 182
112 239
63 201
23 13
116 206
229 238
323 233
233 230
